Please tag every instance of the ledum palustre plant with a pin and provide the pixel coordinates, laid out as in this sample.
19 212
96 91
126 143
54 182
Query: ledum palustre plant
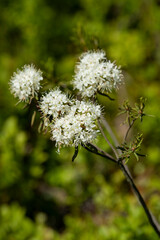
77 121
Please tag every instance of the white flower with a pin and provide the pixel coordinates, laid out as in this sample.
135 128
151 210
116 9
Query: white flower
25 83
78 126
53 105
94 73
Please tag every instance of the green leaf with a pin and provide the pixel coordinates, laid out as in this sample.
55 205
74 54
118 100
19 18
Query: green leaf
33 118
136 156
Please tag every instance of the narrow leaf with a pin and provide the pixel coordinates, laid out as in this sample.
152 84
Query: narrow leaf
33 118
136 156
40 127
141 155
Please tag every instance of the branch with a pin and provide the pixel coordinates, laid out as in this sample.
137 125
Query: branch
150 217
106 95
128 177
114 139
109 130
130 125
107 140
96 150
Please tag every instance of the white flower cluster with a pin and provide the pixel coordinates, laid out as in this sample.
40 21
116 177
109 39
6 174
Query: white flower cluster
25 84
94 73
71 122
78 126
53 105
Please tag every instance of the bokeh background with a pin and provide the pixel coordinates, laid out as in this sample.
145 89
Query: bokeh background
43 196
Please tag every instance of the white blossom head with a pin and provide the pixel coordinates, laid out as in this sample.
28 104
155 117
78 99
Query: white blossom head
78 126
25 83
95 73
53 105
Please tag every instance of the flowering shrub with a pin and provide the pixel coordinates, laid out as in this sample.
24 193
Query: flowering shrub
78 121
71 122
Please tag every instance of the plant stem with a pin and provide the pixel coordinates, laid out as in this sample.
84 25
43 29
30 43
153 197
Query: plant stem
109 130
129 128
150 217
114 139
107 140
106 95
96 151
129 179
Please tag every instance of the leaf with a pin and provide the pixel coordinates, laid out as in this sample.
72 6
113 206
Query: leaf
136 156
40 126
33 118
141 155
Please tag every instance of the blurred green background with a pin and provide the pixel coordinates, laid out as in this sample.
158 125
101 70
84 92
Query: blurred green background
43 196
